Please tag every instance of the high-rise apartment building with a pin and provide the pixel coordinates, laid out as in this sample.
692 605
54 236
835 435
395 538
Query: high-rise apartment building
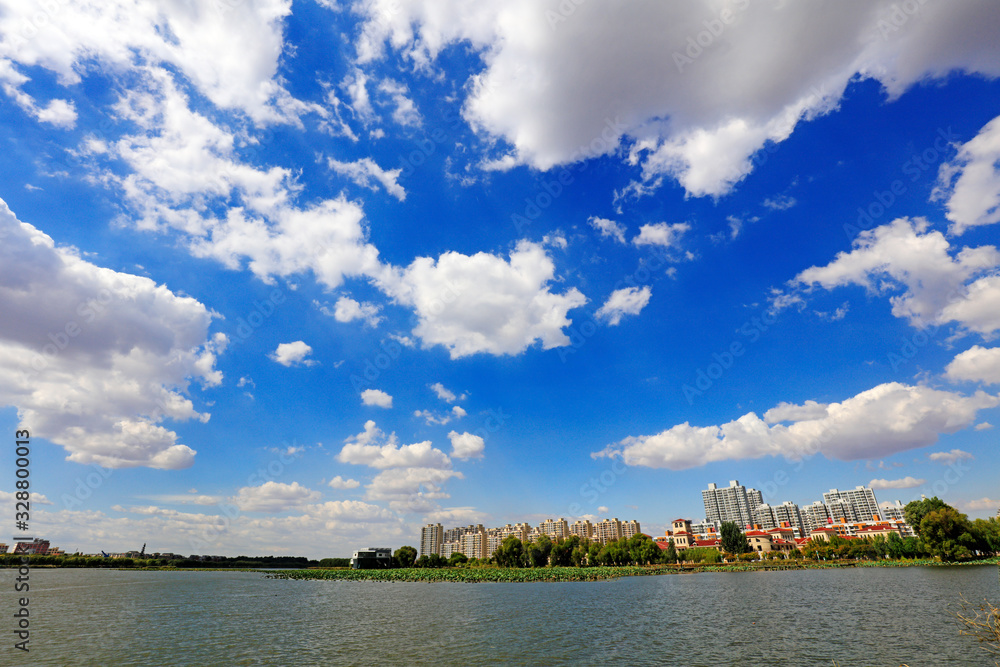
431 539
734 503
607 530
554 528
583 529
862 500
630 528
892 511
474 544
788 513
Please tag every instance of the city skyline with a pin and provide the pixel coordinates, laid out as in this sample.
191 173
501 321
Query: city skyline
273 268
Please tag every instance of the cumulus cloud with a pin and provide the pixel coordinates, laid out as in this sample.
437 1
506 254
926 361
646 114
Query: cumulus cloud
936 287
483 303
374 449
95 360
608 228
197 40
625 301
947 458
970 184
376 397
442 392
881 421
292 354
366 173
348 310
983 504
661 234
904 483
977 364
339 482
761 70
274 497
466 445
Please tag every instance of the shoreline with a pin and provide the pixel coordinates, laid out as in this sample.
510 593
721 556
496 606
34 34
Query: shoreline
568 574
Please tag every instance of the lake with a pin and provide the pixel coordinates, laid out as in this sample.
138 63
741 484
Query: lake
868 616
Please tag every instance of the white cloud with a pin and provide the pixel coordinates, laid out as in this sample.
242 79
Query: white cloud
456 516
339 482
274 497
376 397
405 113
970 184
779 203
936 287
95 360
231 57
356 86
977 364
904 483
483 303
445 394
661 234
625 301
365 173
608 228
411 489
348 310
881 421
983 504
554 99
363 449
292 354
458 411
184 174
947 458
466 445
433 418
984 426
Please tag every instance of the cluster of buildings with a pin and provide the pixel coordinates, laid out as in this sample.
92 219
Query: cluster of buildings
850 514
849 509
475 541
39 547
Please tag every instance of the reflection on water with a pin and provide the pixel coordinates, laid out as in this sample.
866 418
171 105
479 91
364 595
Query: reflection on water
868 616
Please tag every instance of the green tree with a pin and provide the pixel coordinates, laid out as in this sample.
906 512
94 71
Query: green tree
987 534
510 552
457 558
670 555
916 510
405 556
947 534
732 539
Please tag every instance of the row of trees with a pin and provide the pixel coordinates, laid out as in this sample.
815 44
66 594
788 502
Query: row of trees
948 534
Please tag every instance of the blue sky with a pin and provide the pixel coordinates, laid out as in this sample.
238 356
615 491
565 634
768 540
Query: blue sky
294 278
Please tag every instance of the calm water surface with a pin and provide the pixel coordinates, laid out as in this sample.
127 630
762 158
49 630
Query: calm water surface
883 616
